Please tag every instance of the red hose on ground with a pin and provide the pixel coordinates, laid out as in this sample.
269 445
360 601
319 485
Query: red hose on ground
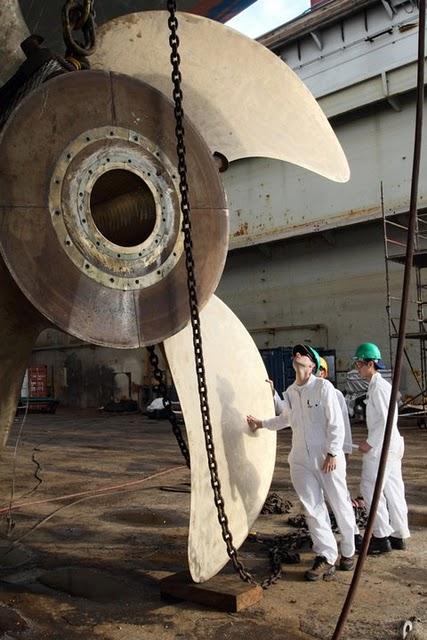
100 491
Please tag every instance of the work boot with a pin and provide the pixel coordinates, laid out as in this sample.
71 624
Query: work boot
346 564
320 569
397 543
358 539
378 545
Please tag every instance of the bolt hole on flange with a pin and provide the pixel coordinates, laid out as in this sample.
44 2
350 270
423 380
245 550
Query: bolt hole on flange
123 207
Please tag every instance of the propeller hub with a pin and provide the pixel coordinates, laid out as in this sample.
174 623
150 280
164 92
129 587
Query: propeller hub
114 204
90 209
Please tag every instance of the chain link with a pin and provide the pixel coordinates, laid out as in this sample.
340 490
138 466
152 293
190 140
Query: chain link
194 314
162 387
79 15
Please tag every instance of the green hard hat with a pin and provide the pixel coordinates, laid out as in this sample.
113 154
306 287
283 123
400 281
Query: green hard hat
316 357
367 351
305 349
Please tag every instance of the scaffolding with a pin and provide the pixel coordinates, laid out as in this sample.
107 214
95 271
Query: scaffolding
395 236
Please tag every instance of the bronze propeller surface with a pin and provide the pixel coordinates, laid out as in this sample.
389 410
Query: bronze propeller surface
90 216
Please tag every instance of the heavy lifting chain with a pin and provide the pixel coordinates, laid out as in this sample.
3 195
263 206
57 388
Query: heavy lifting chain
162 387
194 313
79 15
42 65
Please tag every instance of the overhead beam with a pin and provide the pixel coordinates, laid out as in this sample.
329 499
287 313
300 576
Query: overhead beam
323 15
384 86
389 9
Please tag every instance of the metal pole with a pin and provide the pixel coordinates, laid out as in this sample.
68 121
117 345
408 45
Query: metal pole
408 360
402 325
387 275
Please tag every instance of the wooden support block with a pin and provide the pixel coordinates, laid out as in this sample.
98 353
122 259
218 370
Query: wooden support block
222 592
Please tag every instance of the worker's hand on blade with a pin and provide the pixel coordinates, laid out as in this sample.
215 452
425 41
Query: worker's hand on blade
254 423
329 465
364 447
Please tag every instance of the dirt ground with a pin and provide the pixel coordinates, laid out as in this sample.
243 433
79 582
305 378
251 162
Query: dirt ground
89 567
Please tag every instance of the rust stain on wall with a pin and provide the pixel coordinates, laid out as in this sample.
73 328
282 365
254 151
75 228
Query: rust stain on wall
242 230
267 233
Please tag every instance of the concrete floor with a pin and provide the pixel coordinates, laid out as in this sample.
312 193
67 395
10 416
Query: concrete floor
103 556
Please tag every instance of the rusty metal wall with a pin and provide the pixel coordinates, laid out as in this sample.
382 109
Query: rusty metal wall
361 67
270 200
326 288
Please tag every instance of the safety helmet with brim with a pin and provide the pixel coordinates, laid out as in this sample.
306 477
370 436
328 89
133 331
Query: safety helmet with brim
306 350
323 365
369 352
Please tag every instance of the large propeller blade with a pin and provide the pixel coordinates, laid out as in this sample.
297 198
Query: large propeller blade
236 382
244 100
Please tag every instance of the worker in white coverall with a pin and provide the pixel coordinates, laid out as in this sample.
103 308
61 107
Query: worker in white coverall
391 521
317 463
348 440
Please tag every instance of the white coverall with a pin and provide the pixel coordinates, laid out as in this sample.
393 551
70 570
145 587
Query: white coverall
313 412
392 512
348 440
